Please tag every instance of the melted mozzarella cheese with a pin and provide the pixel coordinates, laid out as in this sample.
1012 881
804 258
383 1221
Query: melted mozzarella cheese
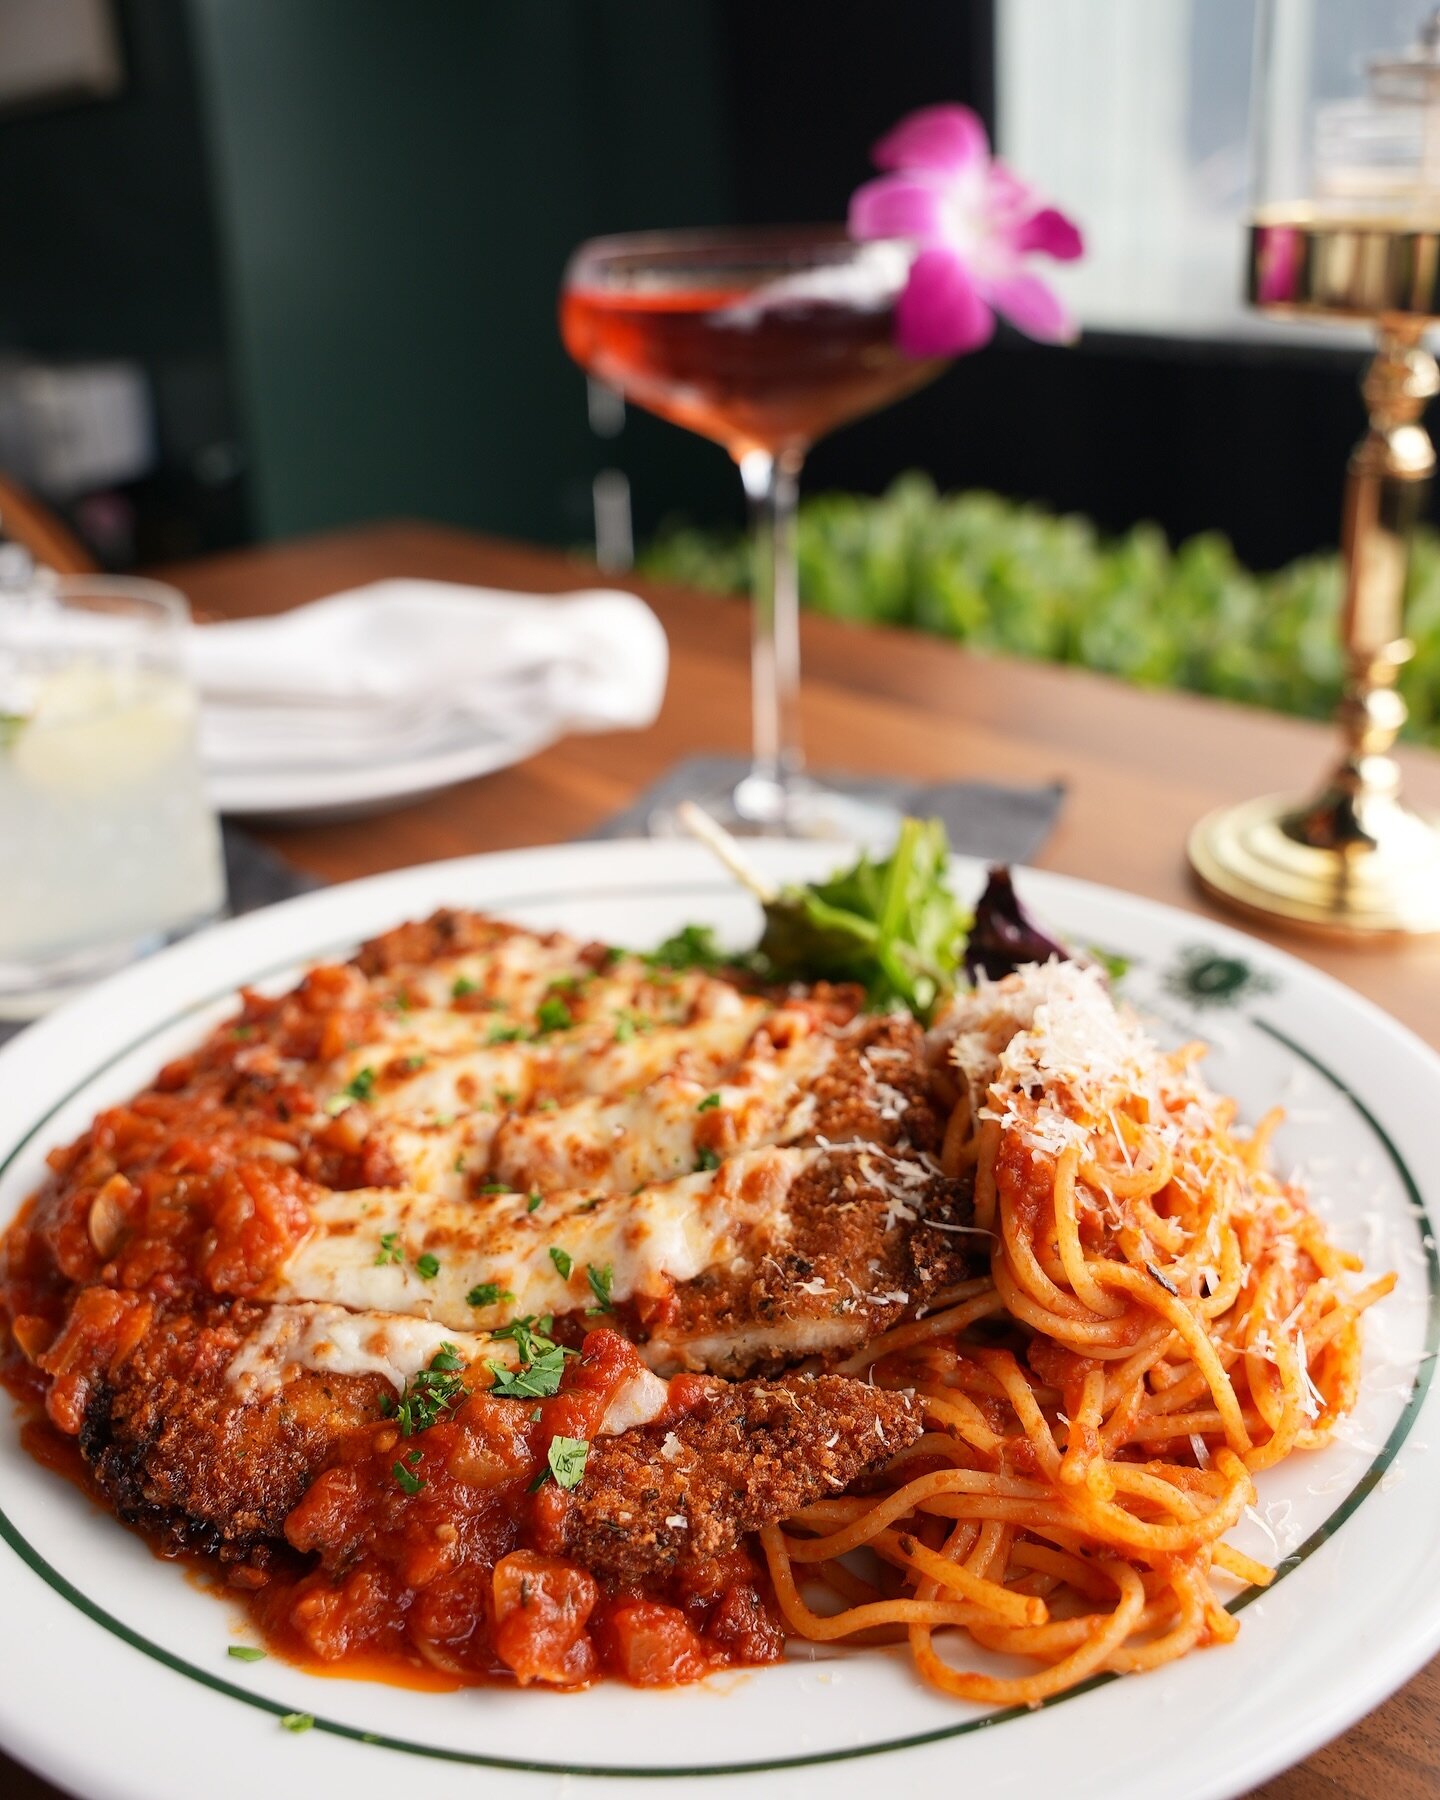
407 1079
664 1234
613 1144
656 1135
511 973
333 1340
439 1158
330 1340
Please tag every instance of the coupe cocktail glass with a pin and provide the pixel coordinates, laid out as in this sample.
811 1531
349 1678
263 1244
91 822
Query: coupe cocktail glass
762 340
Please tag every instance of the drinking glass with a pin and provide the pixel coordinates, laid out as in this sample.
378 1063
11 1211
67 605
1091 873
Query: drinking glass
107 844
762 340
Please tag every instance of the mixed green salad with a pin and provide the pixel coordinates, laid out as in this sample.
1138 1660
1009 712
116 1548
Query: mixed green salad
891 925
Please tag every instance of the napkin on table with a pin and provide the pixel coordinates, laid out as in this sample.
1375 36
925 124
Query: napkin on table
388 671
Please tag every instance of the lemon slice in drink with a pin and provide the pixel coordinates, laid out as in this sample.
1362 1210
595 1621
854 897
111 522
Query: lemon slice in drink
93 732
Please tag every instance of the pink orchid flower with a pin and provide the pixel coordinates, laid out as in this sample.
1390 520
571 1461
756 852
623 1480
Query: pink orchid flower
975 222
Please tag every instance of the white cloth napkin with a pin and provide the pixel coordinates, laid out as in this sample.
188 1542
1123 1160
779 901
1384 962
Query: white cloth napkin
400 668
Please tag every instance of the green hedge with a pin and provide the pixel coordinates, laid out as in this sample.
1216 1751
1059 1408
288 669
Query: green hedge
1017 580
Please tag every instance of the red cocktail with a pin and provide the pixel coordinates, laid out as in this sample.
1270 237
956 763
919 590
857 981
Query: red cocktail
763 341
753 356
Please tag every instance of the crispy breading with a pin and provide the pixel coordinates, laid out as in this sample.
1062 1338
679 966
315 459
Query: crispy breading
177 1451
661 1495
869 1239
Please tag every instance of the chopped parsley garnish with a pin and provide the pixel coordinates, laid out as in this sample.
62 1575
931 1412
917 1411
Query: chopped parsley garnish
601 1279
562 1261
459 1163
536 1380
548 1104
245 1653
709 1103
552 1015
244 1033
430 1393
506 1096
506 1034
706 1159
542 1361
494 1187
390 1250
413 1064
624 1028
525 1331
487 1293
400 1002
361 1086
533 1202
566 1457
427 1267
461 986
301 1721
410 1482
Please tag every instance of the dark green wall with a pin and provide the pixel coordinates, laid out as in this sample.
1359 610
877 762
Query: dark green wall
397 189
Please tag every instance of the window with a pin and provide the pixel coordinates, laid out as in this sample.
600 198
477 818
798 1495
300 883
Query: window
1134 115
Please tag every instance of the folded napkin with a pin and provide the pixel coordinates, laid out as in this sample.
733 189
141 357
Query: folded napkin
400 668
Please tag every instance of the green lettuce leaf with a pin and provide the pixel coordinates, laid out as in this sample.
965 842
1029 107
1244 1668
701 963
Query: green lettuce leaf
891 925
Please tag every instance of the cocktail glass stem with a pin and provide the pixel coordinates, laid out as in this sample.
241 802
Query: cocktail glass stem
772 485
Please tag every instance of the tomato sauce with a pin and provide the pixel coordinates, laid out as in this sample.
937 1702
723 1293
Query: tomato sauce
433 1558
437 1560
445 1550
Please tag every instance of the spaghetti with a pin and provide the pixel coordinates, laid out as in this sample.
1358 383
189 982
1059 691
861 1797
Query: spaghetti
1162 1319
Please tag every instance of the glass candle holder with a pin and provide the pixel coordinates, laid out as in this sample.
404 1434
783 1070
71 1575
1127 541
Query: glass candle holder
1346 224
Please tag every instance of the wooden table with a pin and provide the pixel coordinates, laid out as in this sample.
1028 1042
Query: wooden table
1139 768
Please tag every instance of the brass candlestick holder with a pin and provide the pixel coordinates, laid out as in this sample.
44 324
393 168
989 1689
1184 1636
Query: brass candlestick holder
1354 860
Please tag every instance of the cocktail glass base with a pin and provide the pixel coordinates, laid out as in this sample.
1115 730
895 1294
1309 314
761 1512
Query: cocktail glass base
787 806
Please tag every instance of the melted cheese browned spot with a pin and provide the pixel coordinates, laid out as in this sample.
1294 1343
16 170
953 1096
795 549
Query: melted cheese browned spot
649 1242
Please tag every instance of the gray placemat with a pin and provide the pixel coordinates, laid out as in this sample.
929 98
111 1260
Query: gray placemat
256 876
1000 824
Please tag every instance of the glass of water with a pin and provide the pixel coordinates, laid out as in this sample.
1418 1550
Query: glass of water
107 845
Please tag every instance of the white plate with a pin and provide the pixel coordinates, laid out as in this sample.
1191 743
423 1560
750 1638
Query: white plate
116 1680
319 793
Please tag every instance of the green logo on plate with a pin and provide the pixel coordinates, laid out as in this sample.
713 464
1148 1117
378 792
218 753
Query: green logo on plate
1203 977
